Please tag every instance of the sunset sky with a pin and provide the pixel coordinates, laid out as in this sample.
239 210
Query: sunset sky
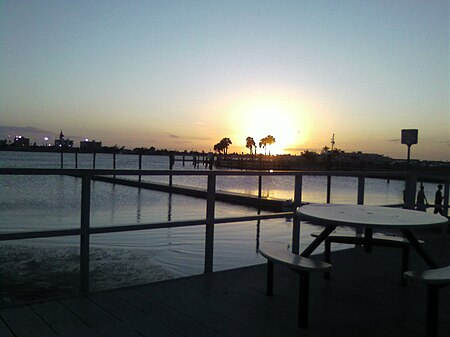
184 74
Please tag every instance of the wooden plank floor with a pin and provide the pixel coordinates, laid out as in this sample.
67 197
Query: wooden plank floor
363 298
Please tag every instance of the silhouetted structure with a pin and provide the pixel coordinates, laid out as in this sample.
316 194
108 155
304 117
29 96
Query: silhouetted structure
91 146
63 142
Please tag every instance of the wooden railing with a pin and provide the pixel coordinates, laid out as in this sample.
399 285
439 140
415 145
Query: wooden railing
85 230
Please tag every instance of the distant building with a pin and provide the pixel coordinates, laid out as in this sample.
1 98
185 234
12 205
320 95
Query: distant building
62 142
90 146
21 141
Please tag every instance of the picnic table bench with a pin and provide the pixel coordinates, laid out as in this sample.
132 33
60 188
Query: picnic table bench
279 253
368 241
435 279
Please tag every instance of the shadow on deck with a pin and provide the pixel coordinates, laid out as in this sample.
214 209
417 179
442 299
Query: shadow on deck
363 298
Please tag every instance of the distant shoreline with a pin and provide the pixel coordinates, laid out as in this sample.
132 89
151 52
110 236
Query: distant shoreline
329 162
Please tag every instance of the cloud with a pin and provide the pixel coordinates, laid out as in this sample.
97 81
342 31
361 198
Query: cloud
442 142
394 140
22 130
200 138
187 139
293 149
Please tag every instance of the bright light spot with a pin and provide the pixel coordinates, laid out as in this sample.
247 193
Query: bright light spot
271 171
86 140
284 119
45 138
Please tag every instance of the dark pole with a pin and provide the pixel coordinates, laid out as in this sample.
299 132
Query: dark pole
171 162
140 165
114 160
62 158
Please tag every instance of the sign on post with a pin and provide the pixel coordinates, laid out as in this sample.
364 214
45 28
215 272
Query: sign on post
409 137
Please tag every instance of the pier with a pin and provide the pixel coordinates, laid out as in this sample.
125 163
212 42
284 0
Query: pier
233 303
264 203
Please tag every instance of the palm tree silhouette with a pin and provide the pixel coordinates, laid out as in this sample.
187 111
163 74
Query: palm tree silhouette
224 144
250 144
268 140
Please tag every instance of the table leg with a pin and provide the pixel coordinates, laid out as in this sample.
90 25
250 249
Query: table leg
296 235
318 240
416 245
368 234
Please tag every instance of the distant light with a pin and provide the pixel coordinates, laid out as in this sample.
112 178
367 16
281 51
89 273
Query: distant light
86 140
270 171
45 138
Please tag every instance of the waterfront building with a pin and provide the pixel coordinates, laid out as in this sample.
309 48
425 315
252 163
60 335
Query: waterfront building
92 145
63 142
20 141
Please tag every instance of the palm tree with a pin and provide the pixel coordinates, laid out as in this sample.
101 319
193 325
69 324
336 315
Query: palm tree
217 148
224 144
263 143
268 140
250 144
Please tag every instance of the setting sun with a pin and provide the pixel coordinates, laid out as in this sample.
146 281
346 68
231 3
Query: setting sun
285 120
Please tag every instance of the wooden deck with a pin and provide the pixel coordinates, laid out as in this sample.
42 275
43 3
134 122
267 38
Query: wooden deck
363 298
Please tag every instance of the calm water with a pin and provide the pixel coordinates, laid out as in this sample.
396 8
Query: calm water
53 202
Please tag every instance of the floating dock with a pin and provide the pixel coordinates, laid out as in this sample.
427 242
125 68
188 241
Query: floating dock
270 204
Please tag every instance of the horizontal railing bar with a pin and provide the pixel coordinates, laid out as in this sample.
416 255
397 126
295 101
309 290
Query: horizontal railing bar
174 224
129 228
39 234
254 217
81 172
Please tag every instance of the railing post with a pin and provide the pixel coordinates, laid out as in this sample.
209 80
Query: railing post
209 236
62 158
259 187
84 237
93 160
296 219
409 194
76 159
140 165
171 163
360 199
328 189
114 161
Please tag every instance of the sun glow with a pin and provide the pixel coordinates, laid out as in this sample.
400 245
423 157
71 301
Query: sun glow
285 120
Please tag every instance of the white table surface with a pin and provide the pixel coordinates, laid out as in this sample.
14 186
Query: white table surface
373 216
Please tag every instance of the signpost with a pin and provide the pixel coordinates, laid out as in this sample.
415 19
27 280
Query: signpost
409 137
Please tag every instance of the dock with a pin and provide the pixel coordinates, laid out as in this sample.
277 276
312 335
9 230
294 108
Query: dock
363 298
270 204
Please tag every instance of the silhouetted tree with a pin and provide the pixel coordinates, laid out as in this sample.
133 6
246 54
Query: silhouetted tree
268 140
250 144
325 149
218 148
224 143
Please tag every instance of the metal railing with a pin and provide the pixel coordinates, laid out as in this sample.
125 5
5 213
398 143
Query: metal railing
86 175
